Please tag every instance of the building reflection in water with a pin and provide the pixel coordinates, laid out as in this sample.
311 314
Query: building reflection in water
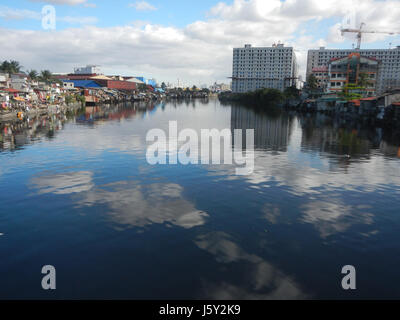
16 134
270 132
336 137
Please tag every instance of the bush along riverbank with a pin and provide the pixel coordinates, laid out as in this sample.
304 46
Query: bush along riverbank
263 98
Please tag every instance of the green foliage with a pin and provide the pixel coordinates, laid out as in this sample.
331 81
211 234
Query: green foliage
312 82
45 76
69 99
259 98
33 74
291 92
80 99
363 80
10 67
351 91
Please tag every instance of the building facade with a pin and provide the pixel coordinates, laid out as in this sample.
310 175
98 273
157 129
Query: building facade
263 67
89 69
322 76
389 75
349 69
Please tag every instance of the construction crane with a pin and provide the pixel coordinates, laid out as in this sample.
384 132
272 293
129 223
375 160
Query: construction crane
360 32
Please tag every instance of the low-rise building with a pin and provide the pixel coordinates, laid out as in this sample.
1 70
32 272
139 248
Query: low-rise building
353 69
4 80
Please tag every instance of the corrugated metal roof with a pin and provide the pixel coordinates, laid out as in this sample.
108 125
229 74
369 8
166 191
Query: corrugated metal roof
84 83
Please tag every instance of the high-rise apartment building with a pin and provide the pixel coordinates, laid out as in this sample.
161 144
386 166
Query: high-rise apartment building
263 67
389 72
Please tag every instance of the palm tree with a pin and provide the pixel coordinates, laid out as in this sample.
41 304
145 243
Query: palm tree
10 67
15 66
5 67
45 75
33 74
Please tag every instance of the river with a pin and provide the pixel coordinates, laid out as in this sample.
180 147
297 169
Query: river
77 193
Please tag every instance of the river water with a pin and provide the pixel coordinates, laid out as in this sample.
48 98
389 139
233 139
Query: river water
77 193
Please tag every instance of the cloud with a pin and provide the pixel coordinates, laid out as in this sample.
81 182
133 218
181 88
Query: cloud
67 2
90 5
79 20
133 205
200 52
63 183
143 6
18 14
264 281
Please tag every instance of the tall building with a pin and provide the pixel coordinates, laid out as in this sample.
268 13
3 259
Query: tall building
263 67
389 73
89 69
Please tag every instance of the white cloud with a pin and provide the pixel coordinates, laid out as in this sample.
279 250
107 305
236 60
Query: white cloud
22 14
18 14
200 52
67 2
78 20
63 183
133 205
143 6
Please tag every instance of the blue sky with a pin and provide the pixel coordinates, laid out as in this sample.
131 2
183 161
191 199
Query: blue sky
176 39
177 13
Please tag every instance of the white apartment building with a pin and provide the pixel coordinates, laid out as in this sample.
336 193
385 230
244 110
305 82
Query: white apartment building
263 67
389 73
89 69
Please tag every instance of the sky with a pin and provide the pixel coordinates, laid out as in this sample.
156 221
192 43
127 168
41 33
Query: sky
187 40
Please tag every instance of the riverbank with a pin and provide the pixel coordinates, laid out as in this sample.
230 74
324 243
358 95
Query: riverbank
383 110
42 110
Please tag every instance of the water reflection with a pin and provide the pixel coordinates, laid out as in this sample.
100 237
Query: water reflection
270 133
16 134
262 280
324 193
62 183
336 137
131 204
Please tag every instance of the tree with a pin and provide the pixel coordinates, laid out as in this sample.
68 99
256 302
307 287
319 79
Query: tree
33 74
312 82
163 86
15 66
291 92
10 67
45 75
194 88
